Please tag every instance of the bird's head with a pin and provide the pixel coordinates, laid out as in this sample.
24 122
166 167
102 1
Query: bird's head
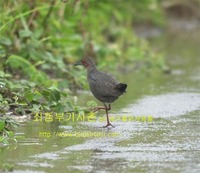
86 62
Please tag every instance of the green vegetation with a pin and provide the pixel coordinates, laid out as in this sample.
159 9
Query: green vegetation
40 41
8 167
6 127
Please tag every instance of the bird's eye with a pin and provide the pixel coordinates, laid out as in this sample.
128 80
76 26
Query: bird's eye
83 62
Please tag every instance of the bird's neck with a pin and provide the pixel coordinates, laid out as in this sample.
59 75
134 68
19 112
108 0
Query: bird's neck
91 69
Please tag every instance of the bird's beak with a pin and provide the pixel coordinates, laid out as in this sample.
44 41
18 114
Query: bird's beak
78 63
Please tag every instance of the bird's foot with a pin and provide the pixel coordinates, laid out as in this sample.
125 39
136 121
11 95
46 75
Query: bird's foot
108 124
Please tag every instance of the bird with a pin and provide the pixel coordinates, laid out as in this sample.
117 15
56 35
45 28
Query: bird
103 86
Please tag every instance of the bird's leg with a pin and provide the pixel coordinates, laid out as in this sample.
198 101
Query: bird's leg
106 109
103 108
108 121
99 108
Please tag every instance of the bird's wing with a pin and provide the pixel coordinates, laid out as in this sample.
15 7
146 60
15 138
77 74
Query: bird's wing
103 84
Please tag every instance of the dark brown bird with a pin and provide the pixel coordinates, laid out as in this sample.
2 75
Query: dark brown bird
103 86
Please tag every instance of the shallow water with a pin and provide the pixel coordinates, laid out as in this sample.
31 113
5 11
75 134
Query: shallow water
164 135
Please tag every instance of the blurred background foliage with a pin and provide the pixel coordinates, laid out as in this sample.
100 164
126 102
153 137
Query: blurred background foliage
41 40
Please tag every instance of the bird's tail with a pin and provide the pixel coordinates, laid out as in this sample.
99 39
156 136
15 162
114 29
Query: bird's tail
121 87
